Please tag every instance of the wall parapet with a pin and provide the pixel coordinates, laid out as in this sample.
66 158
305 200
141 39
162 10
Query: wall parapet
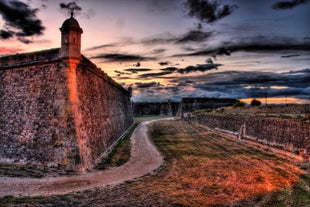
100 73
31 58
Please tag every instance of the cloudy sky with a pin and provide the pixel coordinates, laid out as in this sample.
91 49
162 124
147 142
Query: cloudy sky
169 49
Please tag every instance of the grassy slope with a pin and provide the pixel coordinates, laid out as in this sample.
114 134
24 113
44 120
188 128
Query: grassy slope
120 154
13 170
202 169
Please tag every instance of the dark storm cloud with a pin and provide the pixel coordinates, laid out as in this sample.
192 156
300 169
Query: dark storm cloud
214 52
188 69
289 56
170 69
19 20
288 4
189 49
192 36
200 68
251 39
115 57
136 70
208 11
164 63
6 34
237 84
268 47
121 73
146 85
257 43
155 75
228 49
159 51
126 41
159 39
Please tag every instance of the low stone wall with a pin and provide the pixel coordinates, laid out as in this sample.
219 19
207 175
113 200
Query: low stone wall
155 108
288 134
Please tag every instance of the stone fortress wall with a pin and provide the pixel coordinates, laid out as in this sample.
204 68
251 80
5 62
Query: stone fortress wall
105 111
57 109
36 123
288 134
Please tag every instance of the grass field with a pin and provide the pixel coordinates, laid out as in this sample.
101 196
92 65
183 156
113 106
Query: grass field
202 168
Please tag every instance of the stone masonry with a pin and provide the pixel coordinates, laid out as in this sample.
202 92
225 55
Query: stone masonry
57 108
288 134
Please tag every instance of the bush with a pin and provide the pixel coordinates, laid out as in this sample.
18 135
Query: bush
255 102
238 104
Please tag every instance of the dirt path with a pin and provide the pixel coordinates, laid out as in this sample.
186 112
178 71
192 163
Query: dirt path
144 159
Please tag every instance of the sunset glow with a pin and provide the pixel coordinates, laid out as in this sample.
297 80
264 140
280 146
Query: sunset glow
165 51
277 100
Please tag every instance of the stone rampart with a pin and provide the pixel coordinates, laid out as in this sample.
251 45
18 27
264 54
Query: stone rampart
36 122
105 111
289 134
58 113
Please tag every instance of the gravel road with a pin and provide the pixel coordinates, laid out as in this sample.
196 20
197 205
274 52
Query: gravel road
144 159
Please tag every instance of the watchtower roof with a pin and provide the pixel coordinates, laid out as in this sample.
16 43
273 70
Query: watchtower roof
71 24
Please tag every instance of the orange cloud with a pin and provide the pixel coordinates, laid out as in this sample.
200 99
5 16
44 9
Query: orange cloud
9 50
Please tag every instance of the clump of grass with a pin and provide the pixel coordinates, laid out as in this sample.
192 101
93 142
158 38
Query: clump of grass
120 153
6 200
20 170
28 201
297 195
203 111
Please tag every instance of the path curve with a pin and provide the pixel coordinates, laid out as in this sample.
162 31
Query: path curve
144 159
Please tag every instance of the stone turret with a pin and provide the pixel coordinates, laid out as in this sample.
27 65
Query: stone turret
70 39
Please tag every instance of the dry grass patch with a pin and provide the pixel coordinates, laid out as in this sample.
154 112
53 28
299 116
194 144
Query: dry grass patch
205 168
